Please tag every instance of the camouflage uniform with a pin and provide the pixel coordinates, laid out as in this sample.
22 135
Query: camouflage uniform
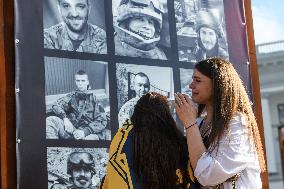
129 43
85 114
56 37
62 186
126 111
75 187
125 49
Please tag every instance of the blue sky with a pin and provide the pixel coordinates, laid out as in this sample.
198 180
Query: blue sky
268 19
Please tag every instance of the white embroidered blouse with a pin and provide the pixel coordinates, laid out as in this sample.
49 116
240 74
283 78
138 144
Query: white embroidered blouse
235 155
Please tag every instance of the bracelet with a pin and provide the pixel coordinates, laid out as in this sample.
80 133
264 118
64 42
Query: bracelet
190 126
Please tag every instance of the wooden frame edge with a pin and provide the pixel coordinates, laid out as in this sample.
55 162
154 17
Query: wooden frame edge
7 96
255 82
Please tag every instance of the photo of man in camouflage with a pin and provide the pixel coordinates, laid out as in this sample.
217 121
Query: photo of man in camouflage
75 33
138 27
78 115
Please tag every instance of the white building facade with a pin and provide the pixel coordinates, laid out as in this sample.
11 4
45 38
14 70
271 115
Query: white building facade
270 59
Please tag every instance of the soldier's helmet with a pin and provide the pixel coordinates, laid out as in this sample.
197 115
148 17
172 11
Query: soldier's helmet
79 160
128 9
207 19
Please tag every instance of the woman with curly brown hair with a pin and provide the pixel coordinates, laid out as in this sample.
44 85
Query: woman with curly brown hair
149 152
225 148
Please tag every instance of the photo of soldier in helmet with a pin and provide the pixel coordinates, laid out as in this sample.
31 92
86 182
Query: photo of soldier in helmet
81 168
72 29
138 28
208 37
200 30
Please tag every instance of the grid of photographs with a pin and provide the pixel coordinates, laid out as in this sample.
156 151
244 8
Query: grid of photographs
97 65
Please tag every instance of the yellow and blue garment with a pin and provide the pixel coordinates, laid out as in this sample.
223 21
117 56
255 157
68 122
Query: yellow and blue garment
120 174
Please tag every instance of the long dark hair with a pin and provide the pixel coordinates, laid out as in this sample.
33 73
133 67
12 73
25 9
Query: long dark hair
159 148
229 97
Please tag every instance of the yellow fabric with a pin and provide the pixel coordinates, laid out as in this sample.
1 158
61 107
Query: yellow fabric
190 172
117 168
118 173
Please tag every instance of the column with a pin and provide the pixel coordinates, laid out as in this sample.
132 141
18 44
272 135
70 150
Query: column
268 134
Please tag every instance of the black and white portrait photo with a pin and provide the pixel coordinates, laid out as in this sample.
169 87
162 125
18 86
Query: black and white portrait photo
201 32
74 25
133 81
185 80
141 28
77 99
76 167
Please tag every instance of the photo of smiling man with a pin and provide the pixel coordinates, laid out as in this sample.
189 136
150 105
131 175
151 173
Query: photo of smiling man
75 168
141 28
74 32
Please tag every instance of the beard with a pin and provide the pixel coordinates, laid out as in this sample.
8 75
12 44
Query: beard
205 47
76 24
